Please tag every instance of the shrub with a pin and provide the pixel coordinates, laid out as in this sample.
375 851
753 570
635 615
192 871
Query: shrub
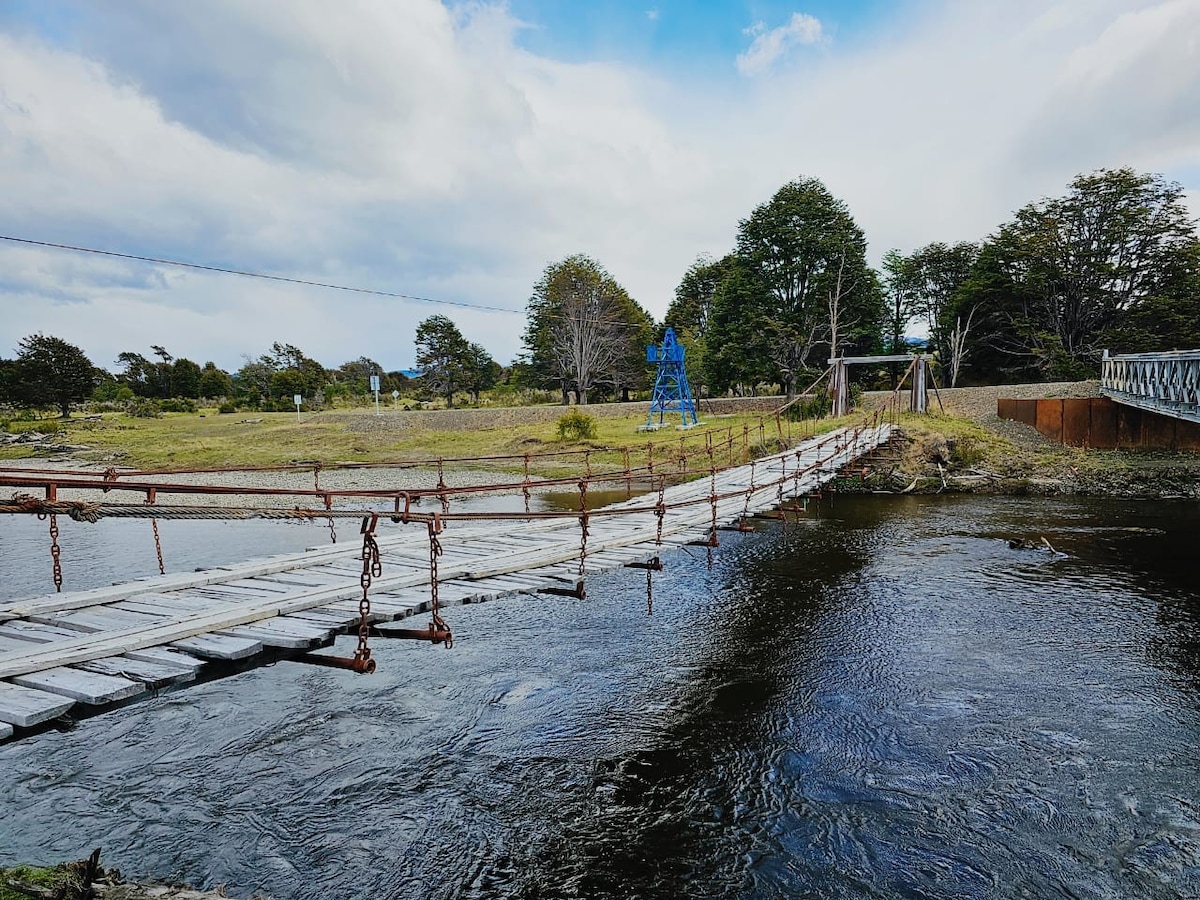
143 408
176 404
576 426
41 426
227 407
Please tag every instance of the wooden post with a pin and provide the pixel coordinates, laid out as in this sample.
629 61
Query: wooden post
920 386
840 388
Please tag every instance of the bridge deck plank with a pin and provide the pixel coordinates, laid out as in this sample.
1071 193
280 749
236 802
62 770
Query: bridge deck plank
26 707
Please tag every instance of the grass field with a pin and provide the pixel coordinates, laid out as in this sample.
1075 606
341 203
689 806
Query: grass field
206 439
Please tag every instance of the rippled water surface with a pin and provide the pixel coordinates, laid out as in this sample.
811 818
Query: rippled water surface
884 700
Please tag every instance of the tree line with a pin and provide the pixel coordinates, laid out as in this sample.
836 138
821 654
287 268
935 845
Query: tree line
1114 263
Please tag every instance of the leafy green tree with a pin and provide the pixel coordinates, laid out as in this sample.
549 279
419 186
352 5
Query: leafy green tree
738 349
1069 275
442 353
137 373
214 382
691 310
584 330
7 368
926 286
48 371
185 378
480 371
809 255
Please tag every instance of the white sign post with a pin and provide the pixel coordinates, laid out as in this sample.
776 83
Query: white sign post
375 388
395 400
297 399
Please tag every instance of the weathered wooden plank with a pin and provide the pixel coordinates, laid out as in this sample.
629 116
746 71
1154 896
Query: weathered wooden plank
36 633
87 687
170 658
153 675
276 633
6 731
215 646
100 618
25 707
330 618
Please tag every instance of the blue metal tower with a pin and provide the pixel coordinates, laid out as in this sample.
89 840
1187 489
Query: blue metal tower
671 390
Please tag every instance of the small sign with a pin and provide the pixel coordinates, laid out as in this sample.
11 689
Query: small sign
395 395
375 383
297 399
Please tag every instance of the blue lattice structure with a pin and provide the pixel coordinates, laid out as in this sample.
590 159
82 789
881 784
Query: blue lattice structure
671 390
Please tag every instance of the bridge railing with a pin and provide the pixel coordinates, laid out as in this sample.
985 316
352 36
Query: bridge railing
1166 382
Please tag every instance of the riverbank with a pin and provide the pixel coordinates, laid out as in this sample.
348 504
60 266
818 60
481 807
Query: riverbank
86 879
974 451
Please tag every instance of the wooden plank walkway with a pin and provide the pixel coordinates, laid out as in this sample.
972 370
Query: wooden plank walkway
79 653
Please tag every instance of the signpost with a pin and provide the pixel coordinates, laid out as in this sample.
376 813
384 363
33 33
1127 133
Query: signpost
375 388
297 399
395 400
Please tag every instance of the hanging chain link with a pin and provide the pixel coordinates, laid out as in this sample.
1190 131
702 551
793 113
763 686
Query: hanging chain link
158 547
583 532
441 486
56 553
437 623
372 568
317 487
150 498
525 484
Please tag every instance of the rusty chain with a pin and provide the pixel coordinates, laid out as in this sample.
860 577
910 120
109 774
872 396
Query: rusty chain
441 488
157 539
56 553
525 484
437 623
372 568
583 533
158 547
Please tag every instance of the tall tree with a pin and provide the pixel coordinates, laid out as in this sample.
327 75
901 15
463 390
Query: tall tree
737 347
583 327
48 371
185 378
214 382
441 356
1060 280
925 285
691 311
806 250
480 371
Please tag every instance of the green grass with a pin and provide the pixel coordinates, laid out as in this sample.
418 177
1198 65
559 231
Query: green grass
208 440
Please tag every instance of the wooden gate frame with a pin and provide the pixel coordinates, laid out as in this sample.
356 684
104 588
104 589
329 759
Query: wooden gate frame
839 382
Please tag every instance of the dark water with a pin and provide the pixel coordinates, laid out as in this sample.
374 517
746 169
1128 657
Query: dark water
885 701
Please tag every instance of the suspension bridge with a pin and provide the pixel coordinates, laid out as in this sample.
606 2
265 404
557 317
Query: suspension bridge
74 654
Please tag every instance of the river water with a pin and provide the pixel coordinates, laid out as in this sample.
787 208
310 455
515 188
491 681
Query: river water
884 700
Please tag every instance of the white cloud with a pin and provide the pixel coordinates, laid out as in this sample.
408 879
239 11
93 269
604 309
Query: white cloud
410 148
769 45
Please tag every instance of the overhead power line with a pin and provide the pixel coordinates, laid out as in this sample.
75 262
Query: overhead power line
321 284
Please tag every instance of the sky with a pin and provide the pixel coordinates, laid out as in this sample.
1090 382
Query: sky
451 151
